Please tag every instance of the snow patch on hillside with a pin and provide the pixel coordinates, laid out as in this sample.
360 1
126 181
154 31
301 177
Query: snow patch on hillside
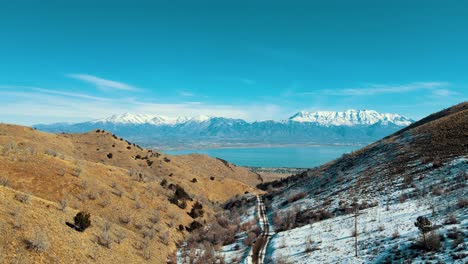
350 118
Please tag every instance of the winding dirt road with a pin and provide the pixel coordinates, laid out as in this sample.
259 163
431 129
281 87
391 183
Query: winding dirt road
257 255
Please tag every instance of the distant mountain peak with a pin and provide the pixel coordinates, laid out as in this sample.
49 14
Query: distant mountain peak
129 118
351 117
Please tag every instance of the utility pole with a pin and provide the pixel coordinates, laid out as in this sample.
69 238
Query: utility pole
355 231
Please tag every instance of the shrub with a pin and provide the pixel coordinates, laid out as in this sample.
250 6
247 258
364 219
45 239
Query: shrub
63 204
155 217
82 221
197 210
39 242
109 155
433 242
193 226
51 152
194 180
124 219
296 197
104 238
250 239
164 183
407 180
23 197
120 235
4 182
451 220
424 225
403 198
118 191
18 220
179 194
61 172
212 178
462 202
77 171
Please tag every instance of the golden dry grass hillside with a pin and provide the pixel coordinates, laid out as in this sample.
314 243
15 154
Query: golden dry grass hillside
139 199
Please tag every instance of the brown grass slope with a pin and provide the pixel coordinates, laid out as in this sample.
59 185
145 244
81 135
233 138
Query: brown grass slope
115 180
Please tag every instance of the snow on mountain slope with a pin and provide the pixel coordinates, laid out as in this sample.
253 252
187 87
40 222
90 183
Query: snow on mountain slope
350 118
128 118
326 118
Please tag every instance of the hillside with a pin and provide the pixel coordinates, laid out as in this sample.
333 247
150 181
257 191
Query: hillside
419 171
121 184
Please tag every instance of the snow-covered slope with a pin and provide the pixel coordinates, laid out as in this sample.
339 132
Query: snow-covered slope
350 118
325 118
367 202
138 119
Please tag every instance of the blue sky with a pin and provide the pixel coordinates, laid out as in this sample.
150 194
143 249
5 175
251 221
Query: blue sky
79 60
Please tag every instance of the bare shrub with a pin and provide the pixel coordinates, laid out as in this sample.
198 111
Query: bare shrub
61 172
309 247
451 220
138 225
18 219
117 190
407 180
23 197
432 242
39 242
437 191
93 194
139 205
51 152
63 204
124 219
146 250
104 202
403 198
4 181
395 234
120 235
104 238
250 239
77 171
165 238
149 233
10 147
462 202
84 184
381 228
155 217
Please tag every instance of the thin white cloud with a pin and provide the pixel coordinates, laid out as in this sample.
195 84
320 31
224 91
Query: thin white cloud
103 83
443 92
78 95
56 106
186 94
386 89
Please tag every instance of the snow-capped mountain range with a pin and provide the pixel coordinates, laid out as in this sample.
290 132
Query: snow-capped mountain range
325 118
128 118
322 127
350 118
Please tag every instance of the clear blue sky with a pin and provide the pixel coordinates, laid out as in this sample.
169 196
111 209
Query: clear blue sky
80 60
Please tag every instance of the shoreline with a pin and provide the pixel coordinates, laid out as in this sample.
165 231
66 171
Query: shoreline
260 146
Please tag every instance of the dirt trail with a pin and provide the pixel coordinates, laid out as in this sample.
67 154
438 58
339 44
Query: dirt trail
259 248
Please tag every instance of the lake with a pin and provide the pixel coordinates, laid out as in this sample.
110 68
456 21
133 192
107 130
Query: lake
290 157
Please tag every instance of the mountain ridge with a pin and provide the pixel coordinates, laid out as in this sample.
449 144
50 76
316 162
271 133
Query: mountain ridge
351 127
349 117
